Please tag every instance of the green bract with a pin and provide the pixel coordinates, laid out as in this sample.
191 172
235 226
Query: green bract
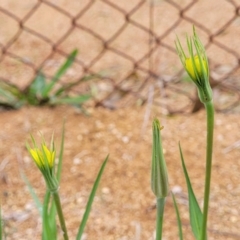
196 65
159 176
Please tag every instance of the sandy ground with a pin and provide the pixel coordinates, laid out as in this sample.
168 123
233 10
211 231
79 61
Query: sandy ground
113 39
124 207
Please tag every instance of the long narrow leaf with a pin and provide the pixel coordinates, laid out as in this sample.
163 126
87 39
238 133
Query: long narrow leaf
48 231
195 211
49 227
7 99
68 86
32 192
90 200
11 89
178 218
52 213
60 158
37 88
45 224
67 64
71 100
52 219
10 95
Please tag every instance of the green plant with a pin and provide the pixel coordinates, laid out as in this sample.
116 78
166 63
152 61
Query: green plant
41 92
196 65
197 68
44 158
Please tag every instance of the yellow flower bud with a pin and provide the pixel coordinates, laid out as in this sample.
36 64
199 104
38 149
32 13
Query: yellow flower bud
159 175
196 65
44 159
190 67
38 156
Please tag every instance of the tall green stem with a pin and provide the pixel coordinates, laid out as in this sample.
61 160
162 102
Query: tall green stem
160 211
60 214
210 126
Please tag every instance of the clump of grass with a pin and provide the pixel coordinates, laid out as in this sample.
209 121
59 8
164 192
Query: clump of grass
42 92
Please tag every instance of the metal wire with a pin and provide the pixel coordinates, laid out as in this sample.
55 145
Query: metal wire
143 65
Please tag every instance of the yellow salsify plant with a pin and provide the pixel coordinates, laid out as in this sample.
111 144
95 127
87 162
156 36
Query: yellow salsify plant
196 65
44 158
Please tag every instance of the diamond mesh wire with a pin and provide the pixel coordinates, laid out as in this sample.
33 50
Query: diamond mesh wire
129 45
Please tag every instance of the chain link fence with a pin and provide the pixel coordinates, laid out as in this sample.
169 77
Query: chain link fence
127 45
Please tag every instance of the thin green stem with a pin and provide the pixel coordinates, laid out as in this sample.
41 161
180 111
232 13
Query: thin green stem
60 214
210 127
160 211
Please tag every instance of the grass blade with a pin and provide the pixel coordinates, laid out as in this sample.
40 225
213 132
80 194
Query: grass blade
67 64
178 218
7 96
7 100
10 95
195 211
68 86
52 219
53 212
11 90
90 200
36 89
60 158
33 194
49 226
71 100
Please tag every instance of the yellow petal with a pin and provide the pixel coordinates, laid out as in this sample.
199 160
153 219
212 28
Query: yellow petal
50 155
190 68
37 156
